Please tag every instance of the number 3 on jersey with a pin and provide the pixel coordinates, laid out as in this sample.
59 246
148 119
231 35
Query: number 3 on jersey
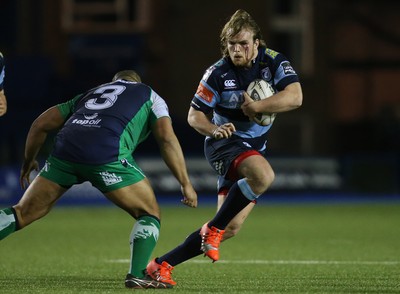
107 99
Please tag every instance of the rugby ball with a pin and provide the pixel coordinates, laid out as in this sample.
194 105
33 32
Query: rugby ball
258 90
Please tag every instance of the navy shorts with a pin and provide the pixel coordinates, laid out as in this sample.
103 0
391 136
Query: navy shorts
221 153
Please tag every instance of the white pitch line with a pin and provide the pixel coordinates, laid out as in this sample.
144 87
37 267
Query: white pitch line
294 262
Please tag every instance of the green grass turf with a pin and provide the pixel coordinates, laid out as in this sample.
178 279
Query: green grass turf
352 248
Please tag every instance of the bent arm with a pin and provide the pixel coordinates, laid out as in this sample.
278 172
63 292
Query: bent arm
202 124
47 122
288 99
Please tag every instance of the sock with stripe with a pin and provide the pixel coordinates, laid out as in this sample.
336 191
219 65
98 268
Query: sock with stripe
233 204
185 251
143 240
8 222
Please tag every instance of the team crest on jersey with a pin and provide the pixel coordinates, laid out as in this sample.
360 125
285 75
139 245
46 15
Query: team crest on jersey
266 74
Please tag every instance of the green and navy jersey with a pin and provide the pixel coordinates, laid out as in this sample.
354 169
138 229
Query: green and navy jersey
2 71
221 91
108 122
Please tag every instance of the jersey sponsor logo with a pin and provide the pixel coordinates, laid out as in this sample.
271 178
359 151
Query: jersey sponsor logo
266 74
235 100
110 178
204 93
87 122
271 53
287 68
229 84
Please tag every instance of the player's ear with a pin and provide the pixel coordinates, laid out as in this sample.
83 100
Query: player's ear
256 43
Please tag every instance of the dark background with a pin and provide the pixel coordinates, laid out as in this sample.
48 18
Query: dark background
346 52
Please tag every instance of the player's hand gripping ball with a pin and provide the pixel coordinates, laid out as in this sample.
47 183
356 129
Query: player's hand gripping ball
259 90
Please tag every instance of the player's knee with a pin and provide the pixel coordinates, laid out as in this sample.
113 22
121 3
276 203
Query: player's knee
269 177
27 214
262 181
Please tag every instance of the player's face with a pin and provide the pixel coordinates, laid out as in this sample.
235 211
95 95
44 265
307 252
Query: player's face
242 49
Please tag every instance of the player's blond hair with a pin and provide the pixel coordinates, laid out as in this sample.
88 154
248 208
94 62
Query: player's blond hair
238 21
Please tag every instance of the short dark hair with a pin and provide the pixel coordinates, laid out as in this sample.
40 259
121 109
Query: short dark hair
128 75
238 21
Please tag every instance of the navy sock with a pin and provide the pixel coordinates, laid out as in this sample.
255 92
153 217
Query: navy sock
188 249
234 203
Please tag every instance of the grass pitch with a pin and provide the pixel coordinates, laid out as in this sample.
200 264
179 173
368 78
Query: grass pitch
349 248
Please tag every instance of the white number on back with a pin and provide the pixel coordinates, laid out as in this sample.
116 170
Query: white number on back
110 97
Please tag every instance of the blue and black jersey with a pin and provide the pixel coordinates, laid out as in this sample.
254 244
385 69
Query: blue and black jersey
222 86
107 123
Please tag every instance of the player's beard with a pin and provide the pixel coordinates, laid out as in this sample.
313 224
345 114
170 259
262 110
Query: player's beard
246 59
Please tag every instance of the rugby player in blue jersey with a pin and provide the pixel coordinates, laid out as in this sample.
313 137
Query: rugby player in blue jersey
234 145
3 100
99 131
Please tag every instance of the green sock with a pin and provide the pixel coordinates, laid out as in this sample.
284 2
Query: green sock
143 239
8 224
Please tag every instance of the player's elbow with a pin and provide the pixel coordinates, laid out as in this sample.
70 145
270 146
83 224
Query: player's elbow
297 95
297 100
191 119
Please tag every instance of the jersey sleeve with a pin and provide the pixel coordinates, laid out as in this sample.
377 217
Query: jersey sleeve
284 73
205 98
159 107
68 107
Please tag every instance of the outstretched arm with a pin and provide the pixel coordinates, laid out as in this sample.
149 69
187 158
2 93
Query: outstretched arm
172 154
47 122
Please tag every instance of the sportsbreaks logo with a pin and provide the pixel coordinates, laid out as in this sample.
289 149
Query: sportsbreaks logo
89 121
